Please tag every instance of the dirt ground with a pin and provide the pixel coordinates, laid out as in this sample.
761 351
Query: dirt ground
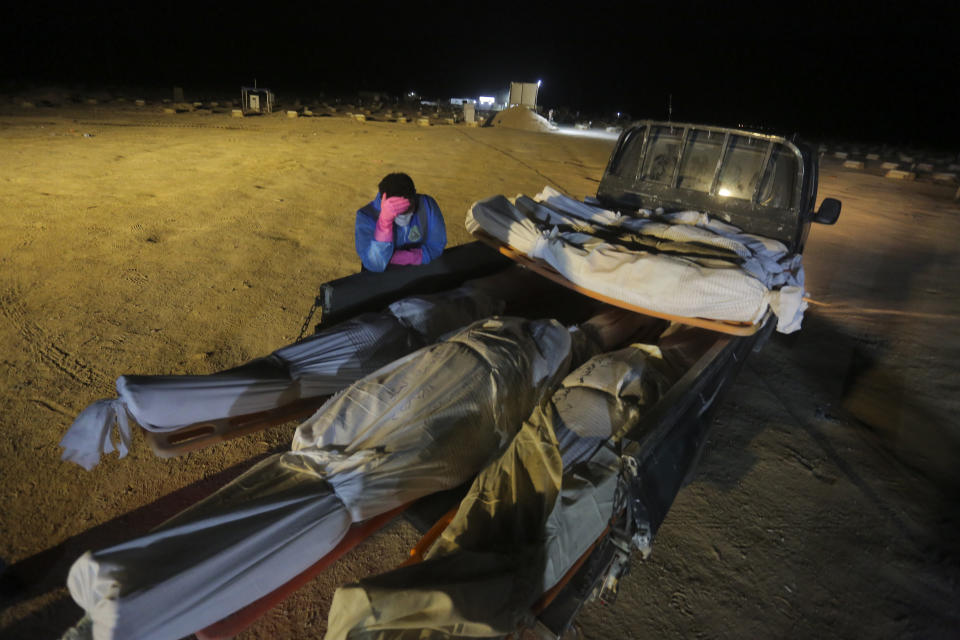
137 242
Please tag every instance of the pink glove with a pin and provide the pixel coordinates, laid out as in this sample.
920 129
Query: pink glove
407 257
390 208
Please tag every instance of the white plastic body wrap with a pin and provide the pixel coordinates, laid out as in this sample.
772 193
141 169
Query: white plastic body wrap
320 365
528 517
421 424
759 273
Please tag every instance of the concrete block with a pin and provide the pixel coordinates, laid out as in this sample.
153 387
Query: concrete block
473 123
197 105
359 117
307 112
906 158
140 103
840 155
423 122
214 104
293 114
945 177
890 165
873 156
853 164
169 111
897 174
925 166
26 104
237 113
91 101
450 121
402 120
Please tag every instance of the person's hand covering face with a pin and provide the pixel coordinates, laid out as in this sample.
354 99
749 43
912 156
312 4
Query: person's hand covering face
393 206
390 208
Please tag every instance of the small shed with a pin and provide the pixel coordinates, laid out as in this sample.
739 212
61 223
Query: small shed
256 100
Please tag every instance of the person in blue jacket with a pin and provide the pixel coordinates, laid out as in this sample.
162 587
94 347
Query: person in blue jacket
400 226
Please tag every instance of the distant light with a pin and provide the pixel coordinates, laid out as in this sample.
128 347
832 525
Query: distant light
412 93
618 114
539 82
725 192
586 133
486 100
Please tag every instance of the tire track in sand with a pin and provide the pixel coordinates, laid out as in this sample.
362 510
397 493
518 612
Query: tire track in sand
44 350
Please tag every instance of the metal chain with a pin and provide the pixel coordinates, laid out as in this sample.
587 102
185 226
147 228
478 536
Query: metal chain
306 323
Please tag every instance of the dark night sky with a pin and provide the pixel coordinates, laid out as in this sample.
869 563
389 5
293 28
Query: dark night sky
870 71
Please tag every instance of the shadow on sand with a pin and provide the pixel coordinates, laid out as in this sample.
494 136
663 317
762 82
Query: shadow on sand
817 377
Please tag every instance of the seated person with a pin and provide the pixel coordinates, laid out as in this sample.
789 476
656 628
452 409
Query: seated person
400 226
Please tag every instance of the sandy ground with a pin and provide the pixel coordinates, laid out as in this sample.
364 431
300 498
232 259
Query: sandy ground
825 504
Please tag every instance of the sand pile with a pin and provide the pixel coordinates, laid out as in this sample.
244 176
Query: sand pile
521 118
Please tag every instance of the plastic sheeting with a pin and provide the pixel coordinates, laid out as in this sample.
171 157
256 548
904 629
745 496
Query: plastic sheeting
682 263
764 258
318 366
528 517
421 424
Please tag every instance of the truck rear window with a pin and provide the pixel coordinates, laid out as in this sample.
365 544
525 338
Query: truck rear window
699 163
722 163
625 165
780 179
741 169
663 150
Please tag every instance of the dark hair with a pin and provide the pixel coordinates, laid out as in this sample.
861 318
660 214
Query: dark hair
398 184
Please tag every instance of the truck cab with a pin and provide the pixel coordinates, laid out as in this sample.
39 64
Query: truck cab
764 184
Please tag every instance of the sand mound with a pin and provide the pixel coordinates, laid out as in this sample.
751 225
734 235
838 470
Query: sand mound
521 118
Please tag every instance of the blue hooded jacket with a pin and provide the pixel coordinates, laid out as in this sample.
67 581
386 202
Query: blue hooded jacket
426 232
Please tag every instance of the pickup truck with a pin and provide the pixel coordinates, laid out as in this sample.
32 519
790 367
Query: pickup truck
765 185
